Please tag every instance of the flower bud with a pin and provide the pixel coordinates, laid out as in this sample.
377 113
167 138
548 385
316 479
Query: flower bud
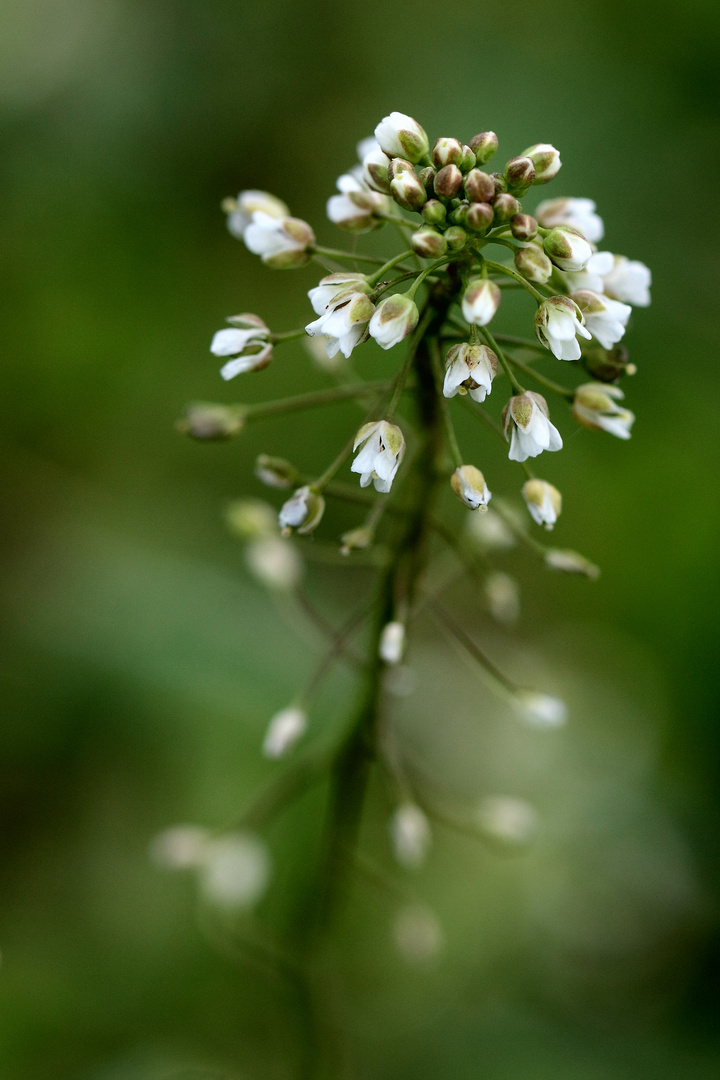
248 340
503 597
204 420
274 561
505 207
479 216
568 249
558 321
398 166
400 136
500 183
240 211
480 301
429 243
470 369
479 187
251 519
383 448
523 226
456 238
235 872
356 540
375 170
281 243
469 485
533 264
447 152
546 160
544 502
484 146
410 833
595 407
283 731
418 934
275 472
608 365
407 191
458 213
302 512
468 160
571 562
448 182
520 175
331 287
434 212
426 177
393 320
392 642
526 419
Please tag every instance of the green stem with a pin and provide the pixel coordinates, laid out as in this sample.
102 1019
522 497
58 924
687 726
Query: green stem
309 401
517 388
372 278
501 268
553 387
322 481
286 335
408 362
331 253
525 343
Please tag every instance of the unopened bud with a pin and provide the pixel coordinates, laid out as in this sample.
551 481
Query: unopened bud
479 216
398 166
447 152
407 191
428 243
468 160
479 187
505 207
567 248
543 500
456 238
520 174
608 365
546 160
448 182
356 540
392 642
500 183
533 264
571 562
523 226
250 519
426 177
275 472
480 301
401 136
302 512
484 146
469 485
204 420
434 212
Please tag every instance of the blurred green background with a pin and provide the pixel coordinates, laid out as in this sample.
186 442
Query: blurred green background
140 661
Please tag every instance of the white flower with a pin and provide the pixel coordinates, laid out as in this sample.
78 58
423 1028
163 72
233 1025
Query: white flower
235 870
393 319
567 249
546 160
595 407
275 562
330 287
344 323
180 847
240 211
247 343
503 597
593 276
606 319
578 213
629 281
557 322
469 485
480 301
356 208
283 731
383 447
392 642
410 834
526 418
282 243
513 821
541 710
543 500
470 370
302 511
398 135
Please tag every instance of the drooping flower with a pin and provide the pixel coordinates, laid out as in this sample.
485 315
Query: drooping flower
543 500
393 319
469 485
595 407
331 286
606 319
344 322
525 420
382 449
240 211
558 321
281 242
629 281
470 369
480 301
283 731
398 135
302 511
247 342
577 213
355 209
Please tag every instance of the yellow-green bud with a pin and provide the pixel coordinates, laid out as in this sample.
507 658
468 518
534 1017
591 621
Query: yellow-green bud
448 182
250 519
479 186
520 174
275 472
479 216
434 212
500 183
426 177
428 243
484 146
505 207
523 226
533 264
204 420
468 160
456 238
447 152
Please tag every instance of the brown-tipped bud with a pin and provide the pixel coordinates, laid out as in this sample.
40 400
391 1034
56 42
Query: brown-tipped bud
479 187
520 174
468 160
484 146
500 183
533 264
275 472
399 165
479 216
505 207
407 191
458 214
546 160
206 421
523 226
448 182
608 365
434 212
426 177
447 152
456 237
428 243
